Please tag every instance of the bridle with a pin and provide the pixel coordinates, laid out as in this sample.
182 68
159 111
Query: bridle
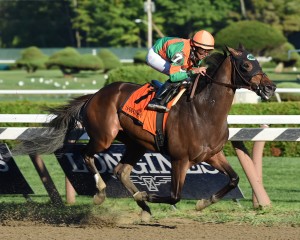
234 74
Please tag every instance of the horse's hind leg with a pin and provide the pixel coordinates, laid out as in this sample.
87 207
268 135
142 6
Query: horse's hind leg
219 162
91 149
123 171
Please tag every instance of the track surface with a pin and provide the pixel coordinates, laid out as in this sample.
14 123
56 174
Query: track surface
164 229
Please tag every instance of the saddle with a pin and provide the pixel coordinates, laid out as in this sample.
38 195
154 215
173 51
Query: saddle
151 121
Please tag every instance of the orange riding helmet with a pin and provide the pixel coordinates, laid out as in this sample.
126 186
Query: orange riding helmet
204 40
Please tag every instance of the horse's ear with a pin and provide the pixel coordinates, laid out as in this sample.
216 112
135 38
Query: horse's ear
241 47
233 51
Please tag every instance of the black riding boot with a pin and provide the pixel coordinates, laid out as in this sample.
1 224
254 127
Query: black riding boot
156 103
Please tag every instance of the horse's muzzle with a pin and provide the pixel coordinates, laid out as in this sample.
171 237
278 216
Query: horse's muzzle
267 91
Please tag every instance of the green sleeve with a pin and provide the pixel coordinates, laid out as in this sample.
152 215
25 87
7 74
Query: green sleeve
178 76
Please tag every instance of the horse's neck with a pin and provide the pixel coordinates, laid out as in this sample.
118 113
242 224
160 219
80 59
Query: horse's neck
218 99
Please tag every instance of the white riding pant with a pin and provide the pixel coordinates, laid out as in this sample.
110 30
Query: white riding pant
157 62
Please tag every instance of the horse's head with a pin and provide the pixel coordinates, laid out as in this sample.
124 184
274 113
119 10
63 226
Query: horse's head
249 74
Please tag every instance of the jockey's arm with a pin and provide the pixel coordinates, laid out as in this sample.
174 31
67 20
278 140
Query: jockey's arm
177 74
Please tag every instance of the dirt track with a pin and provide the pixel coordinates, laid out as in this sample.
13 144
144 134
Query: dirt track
164 229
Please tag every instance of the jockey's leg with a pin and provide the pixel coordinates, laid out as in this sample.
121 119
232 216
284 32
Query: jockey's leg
164 94
157 102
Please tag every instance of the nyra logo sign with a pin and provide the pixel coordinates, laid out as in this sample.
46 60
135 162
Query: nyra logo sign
11 179
3 165
152 174
151 182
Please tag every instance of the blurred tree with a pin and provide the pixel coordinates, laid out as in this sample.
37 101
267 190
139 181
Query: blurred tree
113 22
257 37
107 23
35 23
81 21
281 14
184 18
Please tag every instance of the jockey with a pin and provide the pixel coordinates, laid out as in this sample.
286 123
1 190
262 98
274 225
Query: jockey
180 59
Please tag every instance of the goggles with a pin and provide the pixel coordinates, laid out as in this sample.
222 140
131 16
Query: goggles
203 51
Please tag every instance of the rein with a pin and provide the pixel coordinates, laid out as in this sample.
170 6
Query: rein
228 85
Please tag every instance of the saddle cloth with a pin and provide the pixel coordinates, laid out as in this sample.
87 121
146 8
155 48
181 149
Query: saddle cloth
135 107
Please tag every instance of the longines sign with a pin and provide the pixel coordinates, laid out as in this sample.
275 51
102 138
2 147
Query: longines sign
11 179
152 174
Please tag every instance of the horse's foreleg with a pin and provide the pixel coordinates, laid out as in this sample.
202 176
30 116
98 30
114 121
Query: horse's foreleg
122 171
99 197
179 170
219 162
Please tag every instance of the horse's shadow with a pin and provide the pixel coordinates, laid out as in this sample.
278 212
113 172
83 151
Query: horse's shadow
154 225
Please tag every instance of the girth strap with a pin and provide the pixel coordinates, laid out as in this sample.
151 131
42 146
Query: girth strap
160 137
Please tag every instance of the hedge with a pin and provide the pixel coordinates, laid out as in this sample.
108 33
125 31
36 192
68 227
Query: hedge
136 74
285 149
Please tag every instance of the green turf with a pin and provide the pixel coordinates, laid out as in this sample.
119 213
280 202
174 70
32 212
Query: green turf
46 80
280 180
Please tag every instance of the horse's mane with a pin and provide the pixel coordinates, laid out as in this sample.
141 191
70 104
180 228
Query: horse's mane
214 61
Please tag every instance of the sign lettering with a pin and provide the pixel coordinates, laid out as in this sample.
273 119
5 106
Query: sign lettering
152 173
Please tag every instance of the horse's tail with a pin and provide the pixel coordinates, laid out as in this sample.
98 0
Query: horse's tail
53 136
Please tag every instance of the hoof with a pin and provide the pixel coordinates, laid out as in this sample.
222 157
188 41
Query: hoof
99 197
201 204
145 216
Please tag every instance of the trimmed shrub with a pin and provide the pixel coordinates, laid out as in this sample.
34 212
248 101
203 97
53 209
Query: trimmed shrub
136 74
66 59
140 57
270 64
32 59
280 54
90 62
69 61
110 60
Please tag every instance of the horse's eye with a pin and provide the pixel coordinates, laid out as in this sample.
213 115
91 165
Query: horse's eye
245 66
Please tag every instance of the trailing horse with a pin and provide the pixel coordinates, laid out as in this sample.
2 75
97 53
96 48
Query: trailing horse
195 131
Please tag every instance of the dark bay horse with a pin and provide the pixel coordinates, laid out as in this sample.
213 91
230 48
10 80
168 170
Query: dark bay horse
196 130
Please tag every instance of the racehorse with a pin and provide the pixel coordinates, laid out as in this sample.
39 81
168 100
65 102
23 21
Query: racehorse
196 130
